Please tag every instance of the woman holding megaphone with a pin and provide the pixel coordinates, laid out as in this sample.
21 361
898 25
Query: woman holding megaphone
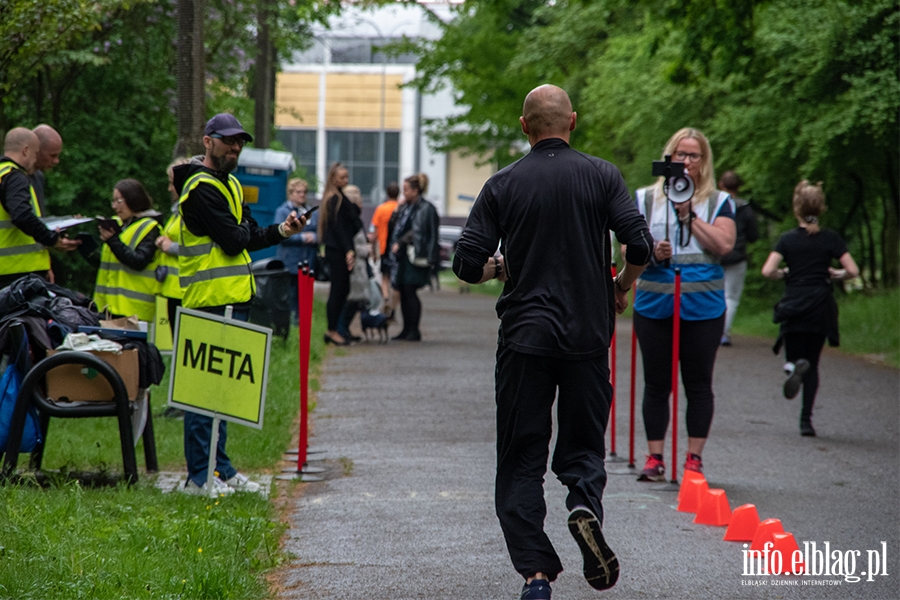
692 224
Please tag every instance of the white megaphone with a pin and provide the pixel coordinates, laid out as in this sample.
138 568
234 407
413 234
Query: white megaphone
680 188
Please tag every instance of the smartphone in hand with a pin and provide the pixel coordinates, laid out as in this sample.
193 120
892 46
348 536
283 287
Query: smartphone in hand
109 224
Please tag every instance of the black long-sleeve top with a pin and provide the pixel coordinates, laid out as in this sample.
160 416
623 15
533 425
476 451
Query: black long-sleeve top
15 195
551 212
343 223
206 213
143 253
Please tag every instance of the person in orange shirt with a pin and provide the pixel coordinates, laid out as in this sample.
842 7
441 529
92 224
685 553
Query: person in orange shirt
381 229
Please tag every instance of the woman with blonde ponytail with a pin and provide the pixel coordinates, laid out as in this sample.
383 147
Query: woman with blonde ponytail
807 311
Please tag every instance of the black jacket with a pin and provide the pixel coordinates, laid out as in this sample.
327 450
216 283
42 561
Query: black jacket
552 212
343 223
206 213
15 195
746 233
422 232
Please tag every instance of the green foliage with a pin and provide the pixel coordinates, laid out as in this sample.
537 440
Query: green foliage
785 90
34 33
103 74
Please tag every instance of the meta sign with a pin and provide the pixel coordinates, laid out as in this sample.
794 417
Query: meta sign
220 367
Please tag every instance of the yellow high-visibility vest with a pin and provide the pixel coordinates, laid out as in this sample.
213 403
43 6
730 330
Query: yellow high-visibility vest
19 253
121 289
171 286
208 275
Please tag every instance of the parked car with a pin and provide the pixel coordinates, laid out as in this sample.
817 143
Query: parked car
448 236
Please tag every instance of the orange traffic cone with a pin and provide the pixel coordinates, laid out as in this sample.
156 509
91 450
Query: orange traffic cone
690 494
786 546
743 525
688 476
714 508
764 533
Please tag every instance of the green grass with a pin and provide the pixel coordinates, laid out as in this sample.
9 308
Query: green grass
67 542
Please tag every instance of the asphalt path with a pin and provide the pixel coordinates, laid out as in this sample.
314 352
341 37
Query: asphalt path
407 509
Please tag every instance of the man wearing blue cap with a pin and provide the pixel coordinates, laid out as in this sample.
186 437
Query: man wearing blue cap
214 268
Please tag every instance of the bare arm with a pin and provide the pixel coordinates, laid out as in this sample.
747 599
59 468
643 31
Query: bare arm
849 269
623 282
771 270
717 237
494 268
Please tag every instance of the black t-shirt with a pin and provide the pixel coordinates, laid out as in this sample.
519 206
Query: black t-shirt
343 223
553 211
809 256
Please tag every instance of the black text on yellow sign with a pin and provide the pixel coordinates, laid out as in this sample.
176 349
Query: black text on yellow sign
220 367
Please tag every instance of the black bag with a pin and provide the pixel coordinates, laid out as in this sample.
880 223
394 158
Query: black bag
321 270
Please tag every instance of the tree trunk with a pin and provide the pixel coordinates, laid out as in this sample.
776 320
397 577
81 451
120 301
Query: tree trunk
868 242
890 227
264 84
191 79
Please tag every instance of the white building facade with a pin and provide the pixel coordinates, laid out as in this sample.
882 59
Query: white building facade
345 101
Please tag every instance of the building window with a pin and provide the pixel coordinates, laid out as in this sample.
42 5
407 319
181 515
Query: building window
302 144
358 151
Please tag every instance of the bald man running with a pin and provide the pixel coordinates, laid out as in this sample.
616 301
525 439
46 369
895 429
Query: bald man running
551 213
24 238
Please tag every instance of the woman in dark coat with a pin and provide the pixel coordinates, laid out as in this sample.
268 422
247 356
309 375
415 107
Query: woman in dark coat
414 244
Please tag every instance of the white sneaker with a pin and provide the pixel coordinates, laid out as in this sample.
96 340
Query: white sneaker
219 488
240 483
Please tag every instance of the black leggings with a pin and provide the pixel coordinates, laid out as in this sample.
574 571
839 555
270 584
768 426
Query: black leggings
799 345
411 307
340 286
699 344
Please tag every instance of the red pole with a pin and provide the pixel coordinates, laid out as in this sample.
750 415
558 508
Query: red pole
304 311
676 345
631 399
612 381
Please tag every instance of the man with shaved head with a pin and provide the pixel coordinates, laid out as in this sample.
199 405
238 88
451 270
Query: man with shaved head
24 238
551 214
47 158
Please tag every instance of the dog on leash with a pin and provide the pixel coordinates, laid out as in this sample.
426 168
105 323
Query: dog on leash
374 323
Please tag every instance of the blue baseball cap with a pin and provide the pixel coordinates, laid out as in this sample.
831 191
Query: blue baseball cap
226 125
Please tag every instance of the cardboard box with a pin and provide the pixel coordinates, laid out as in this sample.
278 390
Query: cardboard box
79 383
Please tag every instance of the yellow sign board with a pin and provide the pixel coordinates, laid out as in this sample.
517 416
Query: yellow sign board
220 367
162 333
251 194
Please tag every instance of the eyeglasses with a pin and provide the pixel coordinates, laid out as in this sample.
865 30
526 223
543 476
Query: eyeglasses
118 200
682 156
230 140
298 191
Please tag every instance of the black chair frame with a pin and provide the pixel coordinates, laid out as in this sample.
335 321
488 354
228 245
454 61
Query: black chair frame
32 394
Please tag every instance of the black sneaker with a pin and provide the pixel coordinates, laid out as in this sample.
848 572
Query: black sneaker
806 428
793 383
538 589
601 567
